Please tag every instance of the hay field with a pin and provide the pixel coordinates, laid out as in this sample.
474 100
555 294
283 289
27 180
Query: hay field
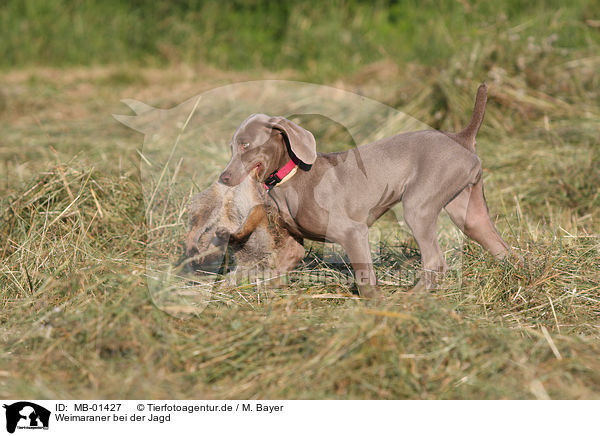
77 320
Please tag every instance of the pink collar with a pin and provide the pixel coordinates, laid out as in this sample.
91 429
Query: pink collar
280 175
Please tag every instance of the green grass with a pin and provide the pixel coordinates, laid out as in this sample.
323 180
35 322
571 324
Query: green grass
324 39
76 318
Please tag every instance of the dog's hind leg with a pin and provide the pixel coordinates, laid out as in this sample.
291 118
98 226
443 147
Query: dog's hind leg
470 213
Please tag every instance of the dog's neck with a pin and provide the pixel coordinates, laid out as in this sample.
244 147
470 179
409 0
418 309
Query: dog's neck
285 170
283 158
281 175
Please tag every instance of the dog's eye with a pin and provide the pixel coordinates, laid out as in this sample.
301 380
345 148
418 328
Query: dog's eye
244 145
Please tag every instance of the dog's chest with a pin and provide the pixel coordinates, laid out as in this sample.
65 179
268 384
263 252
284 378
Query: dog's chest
284 210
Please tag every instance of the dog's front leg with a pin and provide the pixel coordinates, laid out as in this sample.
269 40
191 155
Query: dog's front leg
355 242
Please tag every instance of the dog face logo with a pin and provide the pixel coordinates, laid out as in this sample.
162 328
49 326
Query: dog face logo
26 415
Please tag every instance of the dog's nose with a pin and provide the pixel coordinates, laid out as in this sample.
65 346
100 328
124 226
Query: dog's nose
225 178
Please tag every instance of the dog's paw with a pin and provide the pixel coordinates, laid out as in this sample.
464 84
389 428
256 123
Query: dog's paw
222 234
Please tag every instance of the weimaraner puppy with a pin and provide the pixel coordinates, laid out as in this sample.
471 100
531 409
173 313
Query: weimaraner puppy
336 197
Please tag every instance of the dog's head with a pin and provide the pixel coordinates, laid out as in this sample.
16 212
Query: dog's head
262 144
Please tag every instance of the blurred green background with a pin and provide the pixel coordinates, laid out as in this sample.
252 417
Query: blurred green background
320 38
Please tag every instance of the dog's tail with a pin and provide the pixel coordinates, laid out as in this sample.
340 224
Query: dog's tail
466 137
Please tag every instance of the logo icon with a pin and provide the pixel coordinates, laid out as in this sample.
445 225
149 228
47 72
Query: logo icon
26 415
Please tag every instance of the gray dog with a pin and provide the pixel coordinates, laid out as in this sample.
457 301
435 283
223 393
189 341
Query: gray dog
336 197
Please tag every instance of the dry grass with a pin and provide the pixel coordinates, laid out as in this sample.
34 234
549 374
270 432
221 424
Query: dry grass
77 320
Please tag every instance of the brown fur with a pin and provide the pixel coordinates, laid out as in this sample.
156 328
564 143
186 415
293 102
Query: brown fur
259 243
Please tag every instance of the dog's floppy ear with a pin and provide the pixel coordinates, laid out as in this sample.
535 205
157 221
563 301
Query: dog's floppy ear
301 144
